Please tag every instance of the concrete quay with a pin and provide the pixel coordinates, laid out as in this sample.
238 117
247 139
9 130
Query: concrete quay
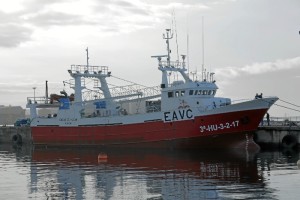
267 137
272 137
15 135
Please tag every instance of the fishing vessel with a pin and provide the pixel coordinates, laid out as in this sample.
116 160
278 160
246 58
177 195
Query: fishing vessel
180 113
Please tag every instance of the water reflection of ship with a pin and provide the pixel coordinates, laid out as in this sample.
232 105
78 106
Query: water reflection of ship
274 160
153 173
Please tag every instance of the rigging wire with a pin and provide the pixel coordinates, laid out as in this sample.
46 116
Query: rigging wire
128 81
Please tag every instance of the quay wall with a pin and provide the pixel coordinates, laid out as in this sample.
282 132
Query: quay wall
278 137
15 135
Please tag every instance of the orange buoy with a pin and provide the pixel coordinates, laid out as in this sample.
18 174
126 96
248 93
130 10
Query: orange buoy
102 157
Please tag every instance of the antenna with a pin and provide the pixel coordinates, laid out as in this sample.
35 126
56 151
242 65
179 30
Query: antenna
175 27
167 38
187 47
87 56
202 46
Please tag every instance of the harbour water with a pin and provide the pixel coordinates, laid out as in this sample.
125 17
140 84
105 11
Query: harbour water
29 172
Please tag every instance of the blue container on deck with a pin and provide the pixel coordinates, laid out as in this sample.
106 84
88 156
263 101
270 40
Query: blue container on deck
22 122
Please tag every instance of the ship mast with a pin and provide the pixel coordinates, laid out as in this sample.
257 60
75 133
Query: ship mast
167 38
203 70
170 66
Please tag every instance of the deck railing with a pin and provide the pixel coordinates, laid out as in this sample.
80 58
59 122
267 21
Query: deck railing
37 100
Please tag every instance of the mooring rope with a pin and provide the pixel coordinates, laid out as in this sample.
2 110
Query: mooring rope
289 103
287 107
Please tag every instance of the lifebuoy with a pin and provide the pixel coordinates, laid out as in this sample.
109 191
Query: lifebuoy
17 139
289 141
102 158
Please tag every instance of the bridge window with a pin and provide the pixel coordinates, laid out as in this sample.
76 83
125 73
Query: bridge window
191 92
176 93
197 92
182 93
170 94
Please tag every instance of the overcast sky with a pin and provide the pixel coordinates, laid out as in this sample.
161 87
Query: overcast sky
253 46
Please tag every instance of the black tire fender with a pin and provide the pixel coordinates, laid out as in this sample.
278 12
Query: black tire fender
289 141
17 139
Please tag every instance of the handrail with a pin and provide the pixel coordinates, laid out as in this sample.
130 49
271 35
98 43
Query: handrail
88 69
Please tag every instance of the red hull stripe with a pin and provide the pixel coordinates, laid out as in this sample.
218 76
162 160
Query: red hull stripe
199 129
